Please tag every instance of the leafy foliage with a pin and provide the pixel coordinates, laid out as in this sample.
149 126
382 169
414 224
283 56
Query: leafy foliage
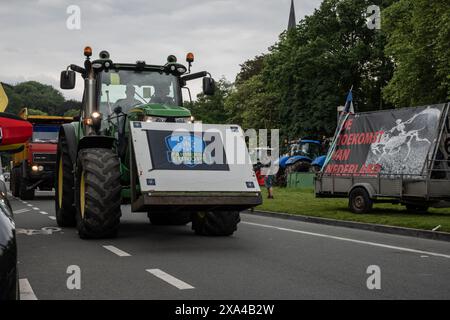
37 96
419 43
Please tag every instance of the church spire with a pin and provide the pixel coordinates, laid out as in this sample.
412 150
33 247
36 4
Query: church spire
292 21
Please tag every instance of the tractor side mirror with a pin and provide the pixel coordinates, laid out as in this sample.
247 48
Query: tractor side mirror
67 80
209 86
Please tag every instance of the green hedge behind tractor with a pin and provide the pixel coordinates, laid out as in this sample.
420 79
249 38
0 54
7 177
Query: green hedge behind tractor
134 142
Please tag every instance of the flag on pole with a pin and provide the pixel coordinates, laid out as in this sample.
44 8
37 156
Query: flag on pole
349 103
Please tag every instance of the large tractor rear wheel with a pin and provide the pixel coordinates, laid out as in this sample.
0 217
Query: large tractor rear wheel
98 193
64 186
15 182
168 218
215 223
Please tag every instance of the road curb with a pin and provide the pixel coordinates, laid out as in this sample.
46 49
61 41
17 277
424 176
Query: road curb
426 234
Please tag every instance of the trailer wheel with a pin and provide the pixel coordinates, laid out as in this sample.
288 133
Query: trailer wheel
15 182
215 223
98 193
64 187
359 201
417 209
25 194
169 218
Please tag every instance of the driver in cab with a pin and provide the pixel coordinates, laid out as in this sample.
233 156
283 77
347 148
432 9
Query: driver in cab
130 101
161 95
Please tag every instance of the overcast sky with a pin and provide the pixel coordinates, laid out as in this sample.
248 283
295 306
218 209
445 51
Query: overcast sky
36 44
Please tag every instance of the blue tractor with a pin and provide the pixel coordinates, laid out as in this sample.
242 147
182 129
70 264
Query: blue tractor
306 155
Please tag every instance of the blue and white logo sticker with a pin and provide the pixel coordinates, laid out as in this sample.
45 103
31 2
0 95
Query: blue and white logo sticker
185 148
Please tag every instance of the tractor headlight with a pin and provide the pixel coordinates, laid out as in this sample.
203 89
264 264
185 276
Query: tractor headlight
185 120
154 119
94 120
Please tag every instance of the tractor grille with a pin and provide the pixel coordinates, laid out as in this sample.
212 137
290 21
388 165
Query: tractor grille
44 157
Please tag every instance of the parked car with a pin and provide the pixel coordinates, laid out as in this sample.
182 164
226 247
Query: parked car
9 286
13 132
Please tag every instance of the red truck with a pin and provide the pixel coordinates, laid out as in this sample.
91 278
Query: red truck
34 166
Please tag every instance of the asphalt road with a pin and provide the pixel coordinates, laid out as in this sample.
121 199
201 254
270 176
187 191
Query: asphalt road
267 258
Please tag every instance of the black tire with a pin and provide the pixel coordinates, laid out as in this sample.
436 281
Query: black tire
15 182
168 218
417 209
359 201
215 223
25 194
299 166
64 199
98 193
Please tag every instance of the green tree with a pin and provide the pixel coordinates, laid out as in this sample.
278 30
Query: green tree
72 113
35 95
308 73
419 44
36 112
210 109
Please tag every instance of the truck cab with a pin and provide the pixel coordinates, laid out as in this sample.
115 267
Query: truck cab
34 166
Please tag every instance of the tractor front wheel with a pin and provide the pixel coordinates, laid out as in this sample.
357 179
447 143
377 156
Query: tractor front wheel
215 223
64 185
98 193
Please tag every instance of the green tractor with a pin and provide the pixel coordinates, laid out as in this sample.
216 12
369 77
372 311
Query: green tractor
134 143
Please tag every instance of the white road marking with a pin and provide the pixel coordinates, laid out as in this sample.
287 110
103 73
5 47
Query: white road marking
35 208
374 244
26 292
24 202
43 212
30 205
170 279
117 251
22 210
52 217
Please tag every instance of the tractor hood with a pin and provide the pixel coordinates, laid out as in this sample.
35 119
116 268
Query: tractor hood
158 110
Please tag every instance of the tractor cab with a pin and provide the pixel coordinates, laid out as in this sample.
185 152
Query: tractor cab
307 148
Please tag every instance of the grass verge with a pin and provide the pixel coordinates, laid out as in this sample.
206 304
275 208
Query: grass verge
303 202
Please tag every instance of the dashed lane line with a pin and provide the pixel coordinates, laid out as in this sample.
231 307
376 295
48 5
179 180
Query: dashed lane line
117 251
36 208
170 279
26 292
43 212
52 217
21 210
374 244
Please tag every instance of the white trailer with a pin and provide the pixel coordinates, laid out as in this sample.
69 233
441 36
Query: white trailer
396 156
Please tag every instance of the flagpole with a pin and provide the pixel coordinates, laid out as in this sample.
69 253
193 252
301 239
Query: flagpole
339 127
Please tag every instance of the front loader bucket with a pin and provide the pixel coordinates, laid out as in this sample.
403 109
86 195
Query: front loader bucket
191 165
